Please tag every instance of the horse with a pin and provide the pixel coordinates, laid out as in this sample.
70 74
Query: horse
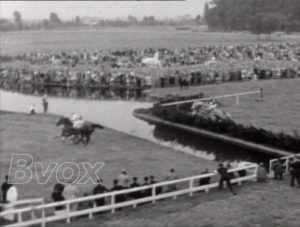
154 61
85 131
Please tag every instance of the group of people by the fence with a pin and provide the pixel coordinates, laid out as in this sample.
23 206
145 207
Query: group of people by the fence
68 191
293 167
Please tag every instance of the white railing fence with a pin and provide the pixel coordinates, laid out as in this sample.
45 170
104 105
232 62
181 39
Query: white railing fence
236 95
183 186
286 160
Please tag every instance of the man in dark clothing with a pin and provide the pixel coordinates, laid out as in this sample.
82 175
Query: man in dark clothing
278 170
224 176
57 196
206 180
135 184
158 190
116 187
100 189
295 172
5 186
146 192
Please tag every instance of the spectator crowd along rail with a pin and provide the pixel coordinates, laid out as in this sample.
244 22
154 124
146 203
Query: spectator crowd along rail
44 213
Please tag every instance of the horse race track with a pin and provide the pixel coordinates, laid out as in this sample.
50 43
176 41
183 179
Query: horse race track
34 135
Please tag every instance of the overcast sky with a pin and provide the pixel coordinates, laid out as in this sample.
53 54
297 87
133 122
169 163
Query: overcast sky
104 9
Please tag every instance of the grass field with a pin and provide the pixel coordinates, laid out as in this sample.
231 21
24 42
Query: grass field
121 38
278 112
27 134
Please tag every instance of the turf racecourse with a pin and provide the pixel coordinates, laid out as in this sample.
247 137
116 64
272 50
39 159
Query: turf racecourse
34 135
278 112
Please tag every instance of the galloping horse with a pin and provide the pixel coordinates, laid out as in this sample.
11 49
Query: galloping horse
85 131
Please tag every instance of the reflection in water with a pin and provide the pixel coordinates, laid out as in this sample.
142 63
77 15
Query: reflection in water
209 147
105 92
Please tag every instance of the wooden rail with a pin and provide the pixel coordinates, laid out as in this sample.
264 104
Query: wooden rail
237 95
189 183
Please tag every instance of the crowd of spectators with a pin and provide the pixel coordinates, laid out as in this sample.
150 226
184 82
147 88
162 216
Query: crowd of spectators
180 67
168 57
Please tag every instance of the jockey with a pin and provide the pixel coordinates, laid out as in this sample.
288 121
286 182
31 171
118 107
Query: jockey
78 123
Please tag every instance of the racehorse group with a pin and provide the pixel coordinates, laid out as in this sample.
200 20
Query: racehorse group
80 134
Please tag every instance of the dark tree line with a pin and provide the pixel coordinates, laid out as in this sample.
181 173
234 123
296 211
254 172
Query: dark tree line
257 16
54 21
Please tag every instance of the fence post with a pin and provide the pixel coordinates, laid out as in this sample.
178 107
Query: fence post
261 94
91 213
237 101
112 203
68 212
19 217
191 186
43 215
153 194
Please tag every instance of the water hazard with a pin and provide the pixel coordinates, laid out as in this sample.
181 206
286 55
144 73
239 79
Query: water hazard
117 114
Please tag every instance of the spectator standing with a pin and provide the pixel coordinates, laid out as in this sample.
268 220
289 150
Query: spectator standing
10 195
135 184
224 177
278 170
4 188
116 187
57 196
205 180
71 192
295 172
123 179
45 103
262 174
171 176
100 189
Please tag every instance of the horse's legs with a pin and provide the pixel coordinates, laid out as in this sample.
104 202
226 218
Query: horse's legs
88 137
80 137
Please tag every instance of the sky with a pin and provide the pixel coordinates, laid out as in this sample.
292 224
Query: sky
103 9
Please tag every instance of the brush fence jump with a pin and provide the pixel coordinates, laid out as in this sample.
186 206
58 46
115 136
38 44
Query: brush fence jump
187 185
285 161
236 95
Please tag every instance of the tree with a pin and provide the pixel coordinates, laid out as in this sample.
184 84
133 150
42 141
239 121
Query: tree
54 20
198 19
271 22
239 15
45 24
206 12
77 21
255 24
132 20
18 20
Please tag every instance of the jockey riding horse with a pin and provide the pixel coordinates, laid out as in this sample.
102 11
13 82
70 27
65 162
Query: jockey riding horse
79 133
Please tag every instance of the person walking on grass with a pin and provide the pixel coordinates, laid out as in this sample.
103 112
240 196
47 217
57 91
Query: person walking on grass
45 103
224 177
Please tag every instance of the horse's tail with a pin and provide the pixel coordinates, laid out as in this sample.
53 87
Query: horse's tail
94 126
